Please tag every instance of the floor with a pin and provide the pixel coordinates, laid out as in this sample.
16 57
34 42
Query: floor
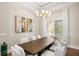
72 52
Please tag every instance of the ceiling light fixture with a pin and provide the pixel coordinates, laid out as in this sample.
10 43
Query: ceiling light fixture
43 13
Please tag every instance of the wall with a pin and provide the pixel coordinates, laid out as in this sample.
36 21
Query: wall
7 23
73 17
74 22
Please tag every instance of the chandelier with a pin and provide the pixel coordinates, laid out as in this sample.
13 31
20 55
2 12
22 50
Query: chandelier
43 13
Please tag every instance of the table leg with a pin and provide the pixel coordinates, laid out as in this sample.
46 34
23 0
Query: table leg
39 54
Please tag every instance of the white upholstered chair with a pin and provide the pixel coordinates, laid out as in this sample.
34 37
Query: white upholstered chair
32 38
23 40
54 47
59 49
17 51
38 36
48 53
64 42
63 51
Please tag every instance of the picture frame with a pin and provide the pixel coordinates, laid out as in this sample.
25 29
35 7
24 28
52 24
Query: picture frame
23 24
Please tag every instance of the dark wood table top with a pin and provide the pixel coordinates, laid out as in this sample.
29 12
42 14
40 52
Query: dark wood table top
33 47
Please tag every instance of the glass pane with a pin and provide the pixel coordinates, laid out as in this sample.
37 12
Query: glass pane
51 29
59 28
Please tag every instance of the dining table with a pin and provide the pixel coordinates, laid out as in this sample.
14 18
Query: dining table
37 46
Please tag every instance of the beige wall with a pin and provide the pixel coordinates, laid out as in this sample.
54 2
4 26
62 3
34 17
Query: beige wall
73 17
7 23
74 24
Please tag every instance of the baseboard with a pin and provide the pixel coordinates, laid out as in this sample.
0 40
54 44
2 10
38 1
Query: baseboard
74 46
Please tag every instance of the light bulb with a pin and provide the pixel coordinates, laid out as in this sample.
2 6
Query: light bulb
49 13
40 14
42 11
46 12
37 13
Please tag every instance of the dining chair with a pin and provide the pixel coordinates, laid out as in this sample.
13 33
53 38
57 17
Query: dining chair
38 36
48 53
59 49
63 51
23 40
17 51
32 38
64 41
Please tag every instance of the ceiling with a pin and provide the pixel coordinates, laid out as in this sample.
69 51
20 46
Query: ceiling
34 6
42 4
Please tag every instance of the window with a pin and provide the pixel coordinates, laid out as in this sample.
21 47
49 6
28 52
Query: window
55 28
58 24
51 28
59 28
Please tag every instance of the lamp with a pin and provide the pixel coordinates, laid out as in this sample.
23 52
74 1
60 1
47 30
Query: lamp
43 13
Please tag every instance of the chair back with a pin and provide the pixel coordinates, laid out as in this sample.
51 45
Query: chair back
17 51
23 40
38 36
32 38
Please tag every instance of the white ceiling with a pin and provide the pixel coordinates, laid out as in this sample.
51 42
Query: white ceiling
42 4
48 5
33 6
